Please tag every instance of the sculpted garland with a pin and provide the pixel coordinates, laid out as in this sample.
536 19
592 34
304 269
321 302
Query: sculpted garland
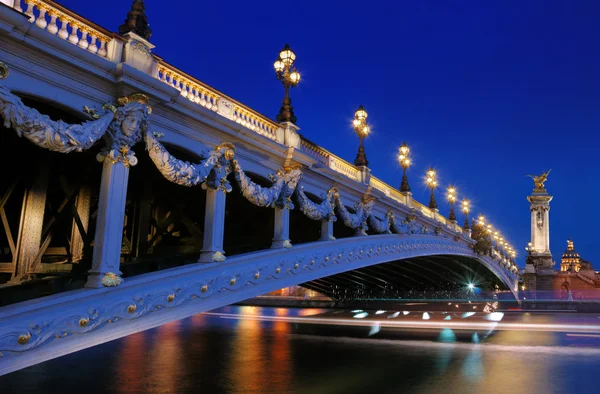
123 124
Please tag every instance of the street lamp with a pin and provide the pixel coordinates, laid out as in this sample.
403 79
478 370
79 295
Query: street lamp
432 183
466 209
404 160
529 248
290 78
452 199
362 130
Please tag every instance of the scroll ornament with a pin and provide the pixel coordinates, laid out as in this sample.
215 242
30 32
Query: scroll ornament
46 133
322 211
358 220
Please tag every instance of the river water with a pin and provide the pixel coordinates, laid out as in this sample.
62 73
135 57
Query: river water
223 353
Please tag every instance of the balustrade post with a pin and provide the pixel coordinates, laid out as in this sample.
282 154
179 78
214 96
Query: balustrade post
281 238
137 52
109 222
326 230
214 226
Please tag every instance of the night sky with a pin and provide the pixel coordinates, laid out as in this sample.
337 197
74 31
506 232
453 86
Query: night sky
483 93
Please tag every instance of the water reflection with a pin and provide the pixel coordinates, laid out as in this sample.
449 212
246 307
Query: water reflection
232 351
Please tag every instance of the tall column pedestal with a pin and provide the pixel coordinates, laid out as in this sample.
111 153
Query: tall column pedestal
109 227
281 237
214 227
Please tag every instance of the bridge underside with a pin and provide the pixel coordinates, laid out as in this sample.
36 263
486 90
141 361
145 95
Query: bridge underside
441 276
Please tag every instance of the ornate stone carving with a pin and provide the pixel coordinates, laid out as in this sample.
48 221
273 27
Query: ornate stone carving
111 279
182 172
292 176
279 194
56 136
407 226
381 226
321 211
358 220
130 121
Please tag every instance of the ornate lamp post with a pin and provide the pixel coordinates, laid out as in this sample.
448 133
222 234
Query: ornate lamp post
362 130
529 248
404 160
290 78
498 239
466 209
432 184
452 200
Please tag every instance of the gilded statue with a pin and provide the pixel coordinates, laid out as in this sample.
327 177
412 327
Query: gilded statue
540 180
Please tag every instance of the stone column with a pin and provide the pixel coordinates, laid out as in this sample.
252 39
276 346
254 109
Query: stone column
31 227
214 226
109 223
326 230
83 211
281 237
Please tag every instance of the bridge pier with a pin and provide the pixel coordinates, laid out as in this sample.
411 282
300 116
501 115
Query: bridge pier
109 227
282 229
214 226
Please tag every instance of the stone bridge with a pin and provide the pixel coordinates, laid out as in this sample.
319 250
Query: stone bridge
117 164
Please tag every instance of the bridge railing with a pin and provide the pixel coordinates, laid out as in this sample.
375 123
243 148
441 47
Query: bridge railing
205 96
60 21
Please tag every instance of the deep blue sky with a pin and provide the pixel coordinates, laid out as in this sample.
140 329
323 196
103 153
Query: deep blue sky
483 93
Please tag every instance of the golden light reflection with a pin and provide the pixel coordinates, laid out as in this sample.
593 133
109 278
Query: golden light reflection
248 367
166 363
130 362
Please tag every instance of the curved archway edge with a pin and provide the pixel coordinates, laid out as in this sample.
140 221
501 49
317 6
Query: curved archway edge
68 322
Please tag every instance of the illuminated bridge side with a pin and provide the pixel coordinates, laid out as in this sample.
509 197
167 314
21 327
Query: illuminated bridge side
221 204
38 330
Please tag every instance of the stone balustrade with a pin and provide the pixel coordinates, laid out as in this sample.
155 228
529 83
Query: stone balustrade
422 208
343 167
203 95
315 151
379 185
57 20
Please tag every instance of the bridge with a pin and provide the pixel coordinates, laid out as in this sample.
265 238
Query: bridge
116 164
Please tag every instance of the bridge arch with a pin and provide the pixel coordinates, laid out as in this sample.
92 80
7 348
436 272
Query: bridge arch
147 301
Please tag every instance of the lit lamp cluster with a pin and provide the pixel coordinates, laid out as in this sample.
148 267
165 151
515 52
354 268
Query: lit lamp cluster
466 208
290 78
404 161
362 130
501 248
432 183
451 196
